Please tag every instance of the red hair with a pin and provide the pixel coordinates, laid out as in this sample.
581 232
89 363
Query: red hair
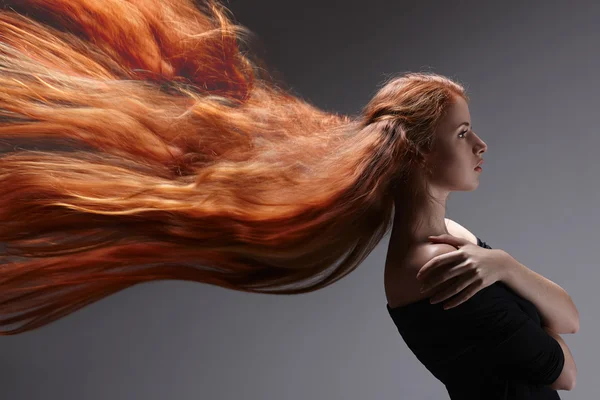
189 161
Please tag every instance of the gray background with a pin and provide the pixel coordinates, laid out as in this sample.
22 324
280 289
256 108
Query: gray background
531 71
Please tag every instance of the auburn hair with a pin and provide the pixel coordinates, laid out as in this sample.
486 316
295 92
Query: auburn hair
185 159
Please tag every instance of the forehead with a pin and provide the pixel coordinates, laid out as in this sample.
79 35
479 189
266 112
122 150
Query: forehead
457 113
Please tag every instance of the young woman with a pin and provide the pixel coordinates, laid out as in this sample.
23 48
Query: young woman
472 315
195 164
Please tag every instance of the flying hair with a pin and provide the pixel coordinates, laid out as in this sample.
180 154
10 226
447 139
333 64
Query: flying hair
185 159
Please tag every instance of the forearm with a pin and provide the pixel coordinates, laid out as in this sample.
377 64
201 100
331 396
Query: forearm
556 308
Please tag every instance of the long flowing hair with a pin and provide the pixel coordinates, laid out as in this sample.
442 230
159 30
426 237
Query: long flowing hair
185 159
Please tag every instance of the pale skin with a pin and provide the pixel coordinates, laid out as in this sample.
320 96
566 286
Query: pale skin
455 254
556 308
457 153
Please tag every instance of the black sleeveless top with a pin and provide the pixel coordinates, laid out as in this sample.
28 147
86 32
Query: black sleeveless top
490 347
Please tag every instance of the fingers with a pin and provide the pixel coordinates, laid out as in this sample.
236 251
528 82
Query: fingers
432 281
452 290
437 262
465 295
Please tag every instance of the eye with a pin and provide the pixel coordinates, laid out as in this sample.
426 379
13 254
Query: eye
463 133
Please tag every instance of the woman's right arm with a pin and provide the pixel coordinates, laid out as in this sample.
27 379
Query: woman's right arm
568 376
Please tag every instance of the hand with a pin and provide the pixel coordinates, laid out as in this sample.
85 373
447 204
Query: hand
472 266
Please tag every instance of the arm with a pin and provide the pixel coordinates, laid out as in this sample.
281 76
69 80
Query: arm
557 310
494 334
568 376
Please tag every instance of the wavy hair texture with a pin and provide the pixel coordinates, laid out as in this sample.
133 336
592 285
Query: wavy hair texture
189 160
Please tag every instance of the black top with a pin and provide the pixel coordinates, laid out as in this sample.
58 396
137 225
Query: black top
490 347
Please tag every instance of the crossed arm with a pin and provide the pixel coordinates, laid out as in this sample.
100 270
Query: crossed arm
557 310
556 307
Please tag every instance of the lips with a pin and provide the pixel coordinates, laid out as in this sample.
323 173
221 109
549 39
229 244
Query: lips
479 164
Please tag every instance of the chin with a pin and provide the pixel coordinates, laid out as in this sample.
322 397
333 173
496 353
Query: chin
471 186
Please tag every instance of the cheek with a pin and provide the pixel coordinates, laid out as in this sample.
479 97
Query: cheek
450 169
447 164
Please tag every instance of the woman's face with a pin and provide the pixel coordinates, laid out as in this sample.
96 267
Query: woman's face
457 152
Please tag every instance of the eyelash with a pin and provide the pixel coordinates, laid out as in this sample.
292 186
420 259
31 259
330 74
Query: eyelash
463 133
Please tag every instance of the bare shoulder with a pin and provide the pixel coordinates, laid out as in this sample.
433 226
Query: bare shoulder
431 250
420 255
401 284
456 229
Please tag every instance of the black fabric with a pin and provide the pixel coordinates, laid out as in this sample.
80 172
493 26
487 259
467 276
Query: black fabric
490 347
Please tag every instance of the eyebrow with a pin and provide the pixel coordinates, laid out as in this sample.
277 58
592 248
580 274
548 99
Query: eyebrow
464 123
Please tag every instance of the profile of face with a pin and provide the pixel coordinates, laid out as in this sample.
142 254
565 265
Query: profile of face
457 151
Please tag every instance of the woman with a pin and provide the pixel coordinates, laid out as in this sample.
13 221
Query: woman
198 166
471 315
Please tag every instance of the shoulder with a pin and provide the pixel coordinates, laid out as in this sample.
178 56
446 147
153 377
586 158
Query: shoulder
458 230
427 251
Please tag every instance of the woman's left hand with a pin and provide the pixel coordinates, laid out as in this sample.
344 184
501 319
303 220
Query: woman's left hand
474 268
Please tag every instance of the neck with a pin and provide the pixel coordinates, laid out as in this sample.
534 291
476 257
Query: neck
428 221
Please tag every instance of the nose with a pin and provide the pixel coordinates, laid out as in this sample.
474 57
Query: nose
482 146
